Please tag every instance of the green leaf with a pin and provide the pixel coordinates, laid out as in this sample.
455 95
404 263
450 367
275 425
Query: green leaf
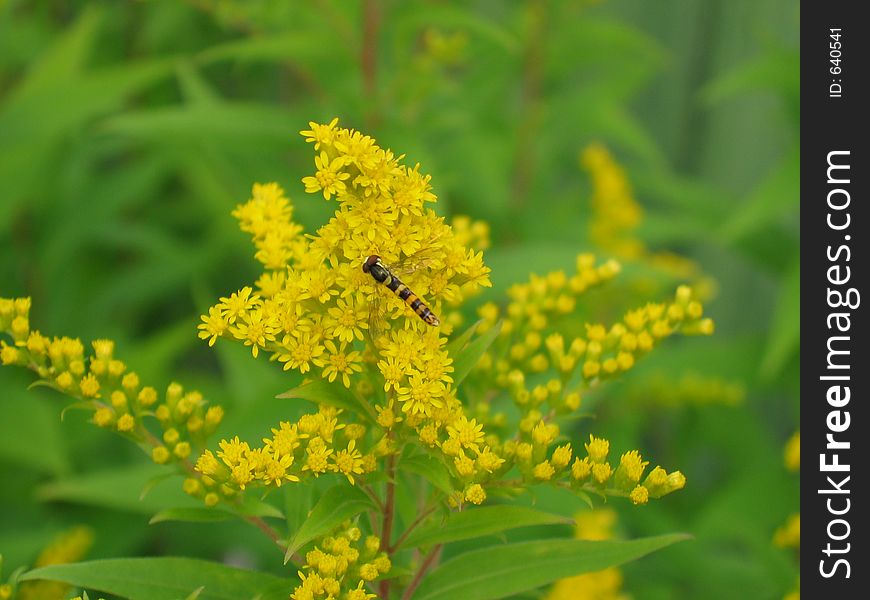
191 514
165 579
460 341
297 504
479 522
118 489
337 504
430 468
26 422
331 394
154 482
501 571
465 359
253 507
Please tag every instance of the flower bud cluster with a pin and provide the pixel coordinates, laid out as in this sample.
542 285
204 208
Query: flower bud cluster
104 384
341 565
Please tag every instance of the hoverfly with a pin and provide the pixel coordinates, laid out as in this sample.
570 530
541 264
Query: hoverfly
381 273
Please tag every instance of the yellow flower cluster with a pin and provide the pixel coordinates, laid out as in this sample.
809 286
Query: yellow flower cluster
315 444
615 212
531 340
103 383
593 525
340 566
593 472
314 308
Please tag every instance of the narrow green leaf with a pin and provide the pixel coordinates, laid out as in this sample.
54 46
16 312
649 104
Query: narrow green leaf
430 468
25 421
479 522
191 514
165 579
465 359
297 504
337 504
331 394
254 507
195 593
154 482
459 342
118 489
501 571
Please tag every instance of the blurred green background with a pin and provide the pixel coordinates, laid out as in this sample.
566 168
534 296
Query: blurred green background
129 131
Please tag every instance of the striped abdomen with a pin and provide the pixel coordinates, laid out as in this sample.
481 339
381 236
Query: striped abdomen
382 274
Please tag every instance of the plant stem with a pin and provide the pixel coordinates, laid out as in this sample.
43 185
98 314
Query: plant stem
369 59
411 528
427 563
389 513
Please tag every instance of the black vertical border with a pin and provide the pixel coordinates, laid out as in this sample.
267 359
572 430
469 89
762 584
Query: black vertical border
832 124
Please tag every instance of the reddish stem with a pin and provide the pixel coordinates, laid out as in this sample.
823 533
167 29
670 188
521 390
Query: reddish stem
427 563
389 513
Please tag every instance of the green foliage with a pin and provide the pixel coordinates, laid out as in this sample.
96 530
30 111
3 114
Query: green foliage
487 520
501 571
164 579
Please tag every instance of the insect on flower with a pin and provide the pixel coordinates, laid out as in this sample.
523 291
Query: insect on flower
374 266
